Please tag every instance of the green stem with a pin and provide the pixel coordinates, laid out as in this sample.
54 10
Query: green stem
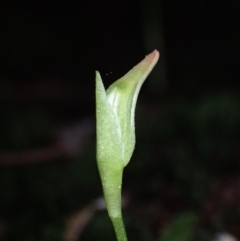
119 228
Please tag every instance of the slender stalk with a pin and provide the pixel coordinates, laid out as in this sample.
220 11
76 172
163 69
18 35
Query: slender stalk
119 228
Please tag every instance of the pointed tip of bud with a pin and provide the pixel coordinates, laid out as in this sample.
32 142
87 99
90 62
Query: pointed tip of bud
97 74
152 57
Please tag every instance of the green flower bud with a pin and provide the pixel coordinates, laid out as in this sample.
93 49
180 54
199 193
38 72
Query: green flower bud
115 111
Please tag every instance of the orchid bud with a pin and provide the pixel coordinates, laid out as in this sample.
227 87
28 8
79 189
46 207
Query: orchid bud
115 111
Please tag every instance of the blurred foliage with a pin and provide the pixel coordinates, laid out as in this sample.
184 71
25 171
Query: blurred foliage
182 149
99 228
24 129
181 229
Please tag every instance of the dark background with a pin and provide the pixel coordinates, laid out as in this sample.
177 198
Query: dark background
186 160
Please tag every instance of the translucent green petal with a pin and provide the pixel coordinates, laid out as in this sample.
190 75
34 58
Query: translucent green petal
122 96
